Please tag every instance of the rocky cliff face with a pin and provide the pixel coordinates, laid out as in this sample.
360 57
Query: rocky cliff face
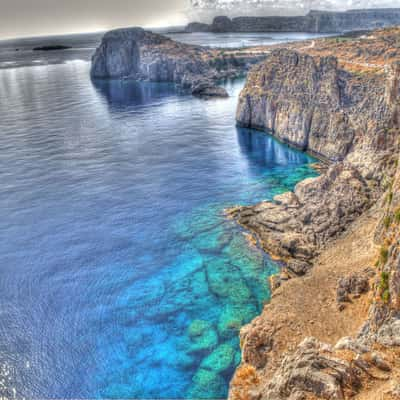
312 104
365 364
138 54
348 119
333 332
314 22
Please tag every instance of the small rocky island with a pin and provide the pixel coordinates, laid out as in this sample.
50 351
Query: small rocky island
52 48
137 54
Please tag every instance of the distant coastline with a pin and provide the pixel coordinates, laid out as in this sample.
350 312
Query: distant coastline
314 22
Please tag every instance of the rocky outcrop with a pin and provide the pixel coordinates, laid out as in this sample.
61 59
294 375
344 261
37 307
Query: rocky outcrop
197 27
208 90
295 226
313 22
352 286
137 54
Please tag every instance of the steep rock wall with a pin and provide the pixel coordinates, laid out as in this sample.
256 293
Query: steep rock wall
312 104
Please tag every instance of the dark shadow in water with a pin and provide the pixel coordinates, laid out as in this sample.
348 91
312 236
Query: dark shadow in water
263 149
128 93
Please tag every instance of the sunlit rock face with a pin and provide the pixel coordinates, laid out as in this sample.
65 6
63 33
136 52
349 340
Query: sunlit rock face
205 10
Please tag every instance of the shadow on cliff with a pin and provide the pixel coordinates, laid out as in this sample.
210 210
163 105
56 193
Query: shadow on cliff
263 149
122 94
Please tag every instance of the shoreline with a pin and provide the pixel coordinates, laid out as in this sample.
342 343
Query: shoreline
321 334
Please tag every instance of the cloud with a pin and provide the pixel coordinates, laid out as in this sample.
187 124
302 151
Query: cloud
205 9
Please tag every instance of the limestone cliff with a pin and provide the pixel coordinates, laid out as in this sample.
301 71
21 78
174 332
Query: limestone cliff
332 328
137 54
313 22
346 118
313 104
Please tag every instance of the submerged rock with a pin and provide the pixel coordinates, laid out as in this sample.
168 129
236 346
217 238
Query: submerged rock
207 384
203 337
233 318
220 360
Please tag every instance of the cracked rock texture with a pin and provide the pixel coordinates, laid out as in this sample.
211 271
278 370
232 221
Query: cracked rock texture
138 54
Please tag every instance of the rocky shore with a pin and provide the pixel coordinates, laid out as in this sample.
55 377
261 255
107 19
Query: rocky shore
134 53
332 328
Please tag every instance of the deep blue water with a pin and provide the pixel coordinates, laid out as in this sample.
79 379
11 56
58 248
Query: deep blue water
120 277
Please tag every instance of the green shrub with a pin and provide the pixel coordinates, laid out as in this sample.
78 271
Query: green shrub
387 220
384 284
389 197
386 296
384 255
397 216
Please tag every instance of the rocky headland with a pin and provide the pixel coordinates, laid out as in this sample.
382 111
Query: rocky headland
134 53
313 22
332 328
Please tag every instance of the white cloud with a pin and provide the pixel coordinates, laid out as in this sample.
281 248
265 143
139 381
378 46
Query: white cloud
205 9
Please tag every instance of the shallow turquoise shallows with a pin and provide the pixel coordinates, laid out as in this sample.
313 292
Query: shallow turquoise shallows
120 277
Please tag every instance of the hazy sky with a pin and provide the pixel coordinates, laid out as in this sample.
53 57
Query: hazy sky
44 17
41 17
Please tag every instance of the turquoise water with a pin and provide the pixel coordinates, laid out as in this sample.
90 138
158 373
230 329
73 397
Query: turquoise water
120 276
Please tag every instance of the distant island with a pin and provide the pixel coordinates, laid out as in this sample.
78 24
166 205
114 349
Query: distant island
51 48
314 22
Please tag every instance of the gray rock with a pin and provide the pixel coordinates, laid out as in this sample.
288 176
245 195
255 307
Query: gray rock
348 343
351 285
314 105
389 333
208 90
298 267
312 369
137 54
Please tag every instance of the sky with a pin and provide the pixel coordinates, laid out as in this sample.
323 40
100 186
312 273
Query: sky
20 18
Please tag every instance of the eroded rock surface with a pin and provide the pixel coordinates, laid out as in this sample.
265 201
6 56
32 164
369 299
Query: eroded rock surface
299 224
138 54
312 104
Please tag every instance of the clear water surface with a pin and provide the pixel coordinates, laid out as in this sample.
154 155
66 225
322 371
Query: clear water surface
120 277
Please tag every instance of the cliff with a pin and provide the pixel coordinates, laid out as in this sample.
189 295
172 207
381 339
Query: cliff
332 328
313 22
137 54
313 104
349 118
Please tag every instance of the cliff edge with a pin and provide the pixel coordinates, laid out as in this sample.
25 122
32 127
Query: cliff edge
332 328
